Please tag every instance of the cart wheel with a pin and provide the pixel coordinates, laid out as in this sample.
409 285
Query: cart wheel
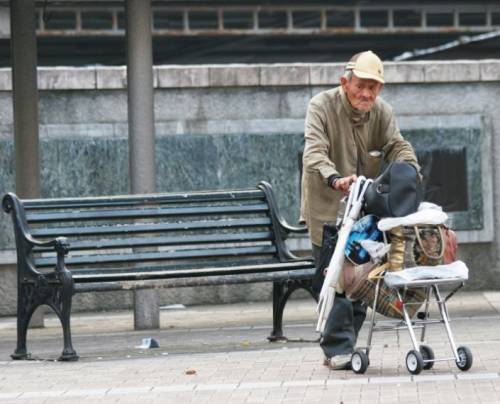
427 354
414 362
465 356
359 362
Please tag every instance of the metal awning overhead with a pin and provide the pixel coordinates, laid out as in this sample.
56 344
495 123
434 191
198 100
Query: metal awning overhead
256 18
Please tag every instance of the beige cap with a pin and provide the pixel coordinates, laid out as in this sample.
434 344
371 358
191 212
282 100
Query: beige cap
367 65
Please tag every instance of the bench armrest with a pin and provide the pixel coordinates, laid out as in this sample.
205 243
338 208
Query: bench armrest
11 204
292 229
60 244
278 220
280 225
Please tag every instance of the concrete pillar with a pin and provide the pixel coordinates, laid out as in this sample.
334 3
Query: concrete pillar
142 169
25 105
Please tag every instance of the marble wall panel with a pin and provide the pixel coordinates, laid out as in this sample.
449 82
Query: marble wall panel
98 166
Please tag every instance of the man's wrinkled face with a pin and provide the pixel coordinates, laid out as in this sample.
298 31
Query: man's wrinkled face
361 93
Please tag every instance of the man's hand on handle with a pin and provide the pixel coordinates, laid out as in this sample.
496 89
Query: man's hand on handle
342 184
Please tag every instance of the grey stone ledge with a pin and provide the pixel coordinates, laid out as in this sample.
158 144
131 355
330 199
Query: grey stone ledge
5 80
66 78
234 75
325 73
452 71
241 75
111 77
404 72
182 76
285 74
490 70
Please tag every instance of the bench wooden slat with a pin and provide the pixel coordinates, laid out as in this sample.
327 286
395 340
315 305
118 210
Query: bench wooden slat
133 200
158 256
143 213
182 265
267 276
164 241
151 227
176 273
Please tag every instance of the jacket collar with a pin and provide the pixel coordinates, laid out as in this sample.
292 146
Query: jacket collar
356 117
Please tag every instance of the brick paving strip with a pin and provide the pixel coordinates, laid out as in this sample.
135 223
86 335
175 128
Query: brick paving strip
210 365
141 391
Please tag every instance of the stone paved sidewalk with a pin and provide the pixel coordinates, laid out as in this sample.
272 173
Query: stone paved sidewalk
219 354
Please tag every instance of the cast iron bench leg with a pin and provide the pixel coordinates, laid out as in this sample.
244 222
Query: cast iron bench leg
280 296
25 310
281 292
58 297
62 306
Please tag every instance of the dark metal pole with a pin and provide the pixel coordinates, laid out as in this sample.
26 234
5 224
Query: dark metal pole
25 97
141 136
25 105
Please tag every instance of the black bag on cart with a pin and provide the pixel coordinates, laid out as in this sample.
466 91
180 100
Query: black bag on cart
396 192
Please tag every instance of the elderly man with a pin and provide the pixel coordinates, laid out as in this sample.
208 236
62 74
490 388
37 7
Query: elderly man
347 130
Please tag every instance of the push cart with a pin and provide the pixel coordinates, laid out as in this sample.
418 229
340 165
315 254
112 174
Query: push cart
421 357
429 279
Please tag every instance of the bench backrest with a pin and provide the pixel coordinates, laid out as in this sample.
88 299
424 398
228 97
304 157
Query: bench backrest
177 231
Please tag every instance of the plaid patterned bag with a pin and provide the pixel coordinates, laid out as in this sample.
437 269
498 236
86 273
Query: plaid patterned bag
388 302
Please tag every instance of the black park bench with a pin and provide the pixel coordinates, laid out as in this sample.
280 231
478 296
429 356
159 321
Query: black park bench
74 245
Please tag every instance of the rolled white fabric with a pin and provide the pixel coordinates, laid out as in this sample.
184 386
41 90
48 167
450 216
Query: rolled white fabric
425 216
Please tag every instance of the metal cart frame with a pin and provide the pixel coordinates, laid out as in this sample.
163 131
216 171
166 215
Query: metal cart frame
421 357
